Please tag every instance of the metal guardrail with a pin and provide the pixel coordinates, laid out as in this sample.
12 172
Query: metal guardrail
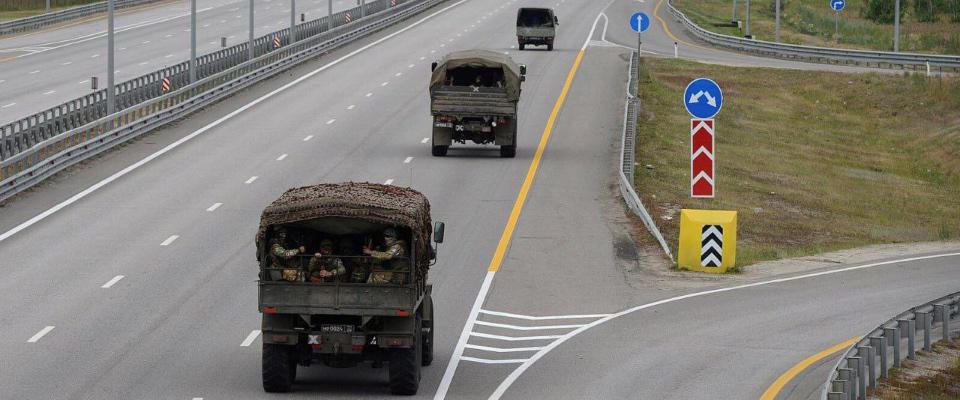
56 17
819 54
883 347
44 144
627 159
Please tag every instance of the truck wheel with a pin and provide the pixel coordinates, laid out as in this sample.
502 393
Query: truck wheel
427 342
405 366
550 47
439 151
508 151
522 45
279 368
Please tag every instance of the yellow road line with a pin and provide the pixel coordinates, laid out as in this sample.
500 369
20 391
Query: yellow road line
532 171
656 12
791 373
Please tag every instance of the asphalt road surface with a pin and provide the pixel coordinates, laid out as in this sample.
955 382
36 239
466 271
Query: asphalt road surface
43 69
556 316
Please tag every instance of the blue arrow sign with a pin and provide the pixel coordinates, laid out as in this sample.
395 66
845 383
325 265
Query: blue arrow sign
703 98
639 22
837 5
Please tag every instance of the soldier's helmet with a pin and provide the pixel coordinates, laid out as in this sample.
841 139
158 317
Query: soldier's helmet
390 236
280 233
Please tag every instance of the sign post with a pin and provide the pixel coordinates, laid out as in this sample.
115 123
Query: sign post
703 100
639 22
837 6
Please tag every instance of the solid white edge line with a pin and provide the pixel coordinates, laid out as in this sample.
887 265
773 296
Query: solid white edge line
549 317
505 384
501 350
528 328
39 335
170 240
171 146
464 336
214 207
515 338
111 282
250 338
486 361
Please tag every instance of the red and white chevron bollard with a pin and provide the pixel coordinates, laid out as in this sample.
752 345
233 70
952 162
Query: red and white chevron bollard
348 17
702 161
165 84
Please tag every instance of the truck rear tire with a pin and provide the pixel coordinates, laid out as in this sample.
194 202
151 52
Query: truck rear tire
427 342
405 366
439 151
522 45
550 47
508 151
279 368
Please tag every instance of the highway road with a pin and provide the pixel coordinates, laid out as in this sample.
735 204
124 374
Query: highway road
143 286
43 69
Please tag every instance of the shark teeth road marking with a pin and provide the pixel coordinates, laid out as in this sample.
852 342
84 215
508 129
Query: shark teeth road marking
548 317
39 335
514 338
501 350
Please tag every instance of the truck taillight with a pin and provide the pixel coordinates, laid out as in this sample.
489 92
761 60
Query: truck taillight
501 121
357 342
403 313
269 310
401 341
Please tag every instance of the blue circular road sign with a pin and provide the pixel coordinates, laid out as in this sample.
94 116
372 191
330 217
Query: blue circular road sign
639 22
837 5
703 98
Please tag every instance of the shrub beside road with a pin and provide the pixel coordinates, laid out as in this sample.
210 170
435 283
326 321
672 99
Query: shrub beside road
811 22
813 161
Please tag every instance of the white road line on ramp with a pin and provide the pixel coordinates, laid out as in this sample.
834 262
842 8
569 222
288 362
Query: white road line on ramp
249 181
86 192
352 106
42 333
214 207
250 338
331 121
486 361
282 156
528 328
425 140
526 364
548 317
464 336
501 350
170 240
111 282
514 338
307 139
407 160
8 105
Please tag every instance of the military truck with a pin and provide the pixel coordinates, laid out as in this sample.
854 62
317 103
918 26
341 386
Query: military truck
350 319
473 97
536 26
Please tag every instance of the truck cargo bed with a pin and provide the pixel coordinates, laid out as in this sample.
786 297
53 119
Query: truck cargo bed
471 101
348 299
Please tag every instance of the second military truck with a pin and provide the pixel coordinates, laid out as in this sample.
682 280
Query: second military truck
343 281
473 97
536 26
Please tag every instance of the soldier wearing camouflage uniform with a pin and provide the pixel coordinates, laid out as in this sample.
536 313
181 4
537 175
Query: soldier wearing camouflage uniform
389 259
323 267
286 258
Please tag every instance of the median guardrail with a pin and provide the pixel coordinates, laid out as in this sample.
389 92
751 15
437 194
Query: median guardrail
880 59
883 348
39 146
628 156
56 17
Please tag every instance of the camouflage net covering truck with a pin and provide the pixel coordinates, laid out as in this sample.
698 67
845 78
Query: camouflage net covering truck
536 26
473 96
343 281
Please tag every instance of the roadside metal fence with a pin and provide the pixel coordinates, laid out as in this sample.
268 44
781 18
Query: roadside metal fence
41 145
56 17
628 158
879 59
888 345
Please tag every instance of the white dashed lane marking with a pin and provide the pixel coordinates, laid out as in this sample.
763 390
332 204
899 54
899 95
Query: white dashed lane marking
398 74
169 240
112 282
214 207
50 92
388 182
8 105
369 94
282 156
426 139
385 84
408 160
249 181
250 338
66 63
307 139
350 107
42 333
34 72
331 121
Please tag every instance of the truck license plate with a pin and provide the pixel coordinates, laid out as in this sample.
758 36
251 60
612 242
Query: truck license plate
338 328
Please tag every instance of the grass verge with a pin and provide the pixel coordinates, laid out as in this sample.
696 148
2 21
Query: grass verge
936 376
811 22
812 161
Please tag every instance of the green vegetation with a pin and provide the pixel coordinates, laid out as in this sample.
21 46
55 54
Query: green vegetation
15 9
863 24
812 161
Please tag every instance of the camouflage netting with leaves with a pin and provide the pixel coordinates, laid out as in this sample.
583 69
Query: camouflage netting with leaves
381 204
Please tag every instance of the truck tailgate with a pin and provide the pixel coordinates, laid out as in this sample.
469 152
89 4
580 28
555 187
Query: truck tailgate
471 101
359 299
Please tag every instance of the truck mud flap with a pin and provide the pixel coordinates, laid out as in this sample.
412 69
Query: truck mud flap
506 135
442 136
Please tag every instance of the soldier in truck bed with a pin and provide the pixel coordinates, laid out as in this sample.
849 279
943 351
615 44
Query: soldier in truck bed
286 258
389 260
323 266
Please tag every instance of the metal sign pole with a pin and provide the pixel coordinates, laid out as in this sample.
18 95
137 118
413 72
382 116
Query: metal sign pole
836 26
329 14
734 19
777 29
111 100
293 21
48 6
250 49
896 26
747 34
193 41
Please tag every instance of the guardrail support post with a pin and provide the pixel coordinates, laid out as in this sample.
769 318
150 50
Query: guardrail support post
943 311
880 343
927 326
363 8
856 364
835 395
867 353
912 339
846 375
893 339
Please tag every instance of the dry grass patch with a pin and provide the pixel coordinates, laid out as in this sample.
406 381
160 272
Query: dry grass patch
812 161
